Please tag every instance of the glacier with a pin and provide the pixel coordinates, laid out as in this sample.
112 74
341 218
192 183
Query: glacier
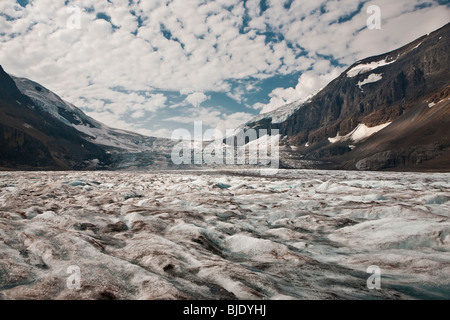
302 234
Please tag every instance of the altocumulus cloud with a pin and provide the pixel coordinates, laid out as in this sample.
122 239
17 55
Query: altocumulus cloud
153 66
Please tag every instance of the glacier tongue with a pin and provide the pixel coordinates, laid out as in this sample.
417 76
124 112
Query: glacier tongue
177 235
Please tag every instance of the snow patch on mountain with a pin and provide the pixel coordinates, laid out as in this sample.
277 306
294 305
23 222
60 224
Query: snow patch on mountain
432 104
360 133
366 67
371 79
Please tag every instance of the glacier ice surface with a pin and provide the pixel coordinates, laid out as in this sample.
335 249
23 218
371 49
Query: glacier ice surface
301 234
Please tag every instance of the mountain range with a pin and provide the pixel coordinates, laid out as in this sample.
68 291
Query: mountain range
388 112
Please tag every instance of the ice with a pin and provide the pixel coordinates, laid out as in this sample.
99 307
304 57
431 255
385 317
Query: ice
223 186
395 233
254 247
77 184
47 216
438 200
105 136
301 234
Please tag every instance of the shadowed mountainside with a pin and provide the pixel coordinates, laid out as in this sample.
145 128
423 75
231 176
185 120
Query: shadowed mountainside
31 138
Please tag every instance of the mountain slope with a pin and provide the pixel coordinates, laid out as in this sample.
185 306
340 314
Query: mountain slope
39 130
376 114
31 138
94 131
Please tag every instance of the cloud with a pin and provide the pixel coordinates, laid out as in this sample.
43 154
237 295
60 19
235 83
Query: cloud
153 102
138 114
148 50
196 98
212 118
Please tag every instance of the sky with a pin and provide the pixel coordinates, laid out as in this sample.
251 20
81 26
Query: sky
154 66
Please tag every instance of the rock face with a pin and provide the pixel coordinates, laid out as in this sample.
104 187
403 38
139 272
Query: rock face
408 87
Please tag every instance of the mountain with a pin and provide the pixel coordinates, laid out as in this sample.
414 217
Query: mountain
390 111
32 138
95 132
39 130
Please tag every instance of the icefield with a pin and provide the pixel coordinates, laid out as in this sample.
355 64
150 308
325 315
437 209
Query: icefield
230 234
